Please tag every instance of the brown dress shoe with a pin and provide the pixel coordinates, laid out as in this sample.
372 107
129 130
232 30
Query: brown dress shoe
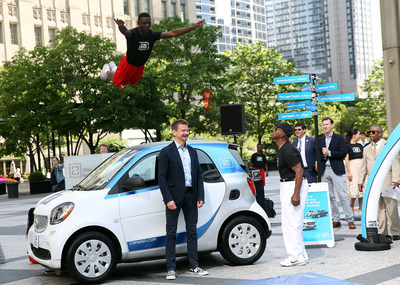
352 225
336 224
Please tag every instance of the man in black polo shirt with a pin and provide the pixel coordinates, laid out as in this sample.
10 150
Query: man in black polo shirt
140 43
293 195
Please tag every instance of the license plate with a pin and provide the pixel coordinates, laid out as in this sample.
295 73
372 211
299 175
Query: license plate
35 240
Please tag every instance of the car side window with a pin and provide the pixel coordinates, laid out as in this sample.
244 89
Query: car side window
208 168
145 172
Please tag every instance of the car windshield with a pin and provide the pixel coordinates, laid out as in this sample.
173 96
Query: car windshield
98 178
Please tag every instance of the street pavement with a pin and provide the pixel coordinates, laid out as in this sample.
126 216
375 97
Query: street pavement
341 264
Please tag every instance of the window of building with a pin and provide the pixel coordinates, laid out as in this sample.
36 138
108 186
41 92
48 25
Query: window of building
146 7
126 7
1 32
52 35
14 34
38 36
137 11
183 12
164 9
173 9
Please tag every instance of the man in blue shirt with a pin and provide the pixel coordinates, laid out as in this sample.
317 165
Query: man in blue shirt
181 184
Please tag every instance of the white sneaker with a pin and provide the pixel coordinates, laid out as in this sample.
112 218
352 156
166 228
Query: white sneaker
113 66
103 73
198 271
290 262
170 275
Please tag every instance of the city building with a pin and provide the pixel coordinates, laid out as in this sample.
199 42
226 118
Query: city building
239 20
27 23
32 22
333 39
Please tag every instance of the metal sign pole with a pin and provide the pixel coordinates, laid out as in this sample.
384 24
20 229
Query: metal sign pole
315 114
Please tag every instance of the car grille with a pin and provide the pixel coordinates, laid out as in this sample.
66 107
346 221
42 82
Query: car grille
41 253
40 223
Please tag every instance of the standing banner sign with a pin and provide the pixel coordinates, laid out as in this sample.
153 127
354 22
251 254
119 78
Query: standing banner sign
317 225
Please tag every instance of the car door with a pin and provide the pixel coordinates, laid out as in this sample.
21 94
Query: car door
142 209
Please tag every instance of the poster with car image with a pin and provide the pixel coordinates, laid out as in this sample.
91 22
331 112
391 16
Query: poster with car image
317 225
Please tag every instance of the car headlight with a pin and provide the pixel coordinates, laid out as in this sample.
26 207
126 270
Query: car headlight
61 212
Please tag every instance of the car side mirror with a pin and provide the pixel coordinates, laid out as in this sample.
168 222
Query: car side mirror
133 182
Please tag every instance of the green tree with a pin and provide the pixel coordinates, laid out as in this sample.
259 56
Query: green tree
190 65
251 77
372 109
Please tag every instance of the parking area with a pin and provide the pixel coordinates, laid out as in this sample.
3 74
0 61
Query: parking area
342 262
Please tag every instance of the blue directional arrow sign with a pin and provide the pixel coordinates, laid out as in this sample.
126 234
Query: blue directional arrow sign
311 107
305 88
326 87
336 98
294 96
296 105
294 115
292 79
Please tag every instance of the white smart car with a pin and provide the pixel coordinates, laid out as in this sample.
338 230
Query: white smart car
116 214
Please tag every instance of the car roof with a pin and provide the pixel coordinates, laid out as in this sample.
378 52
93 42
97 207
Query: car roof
190 142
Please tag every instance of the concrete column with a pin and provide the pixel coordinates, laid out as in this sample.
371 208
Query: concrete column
391 59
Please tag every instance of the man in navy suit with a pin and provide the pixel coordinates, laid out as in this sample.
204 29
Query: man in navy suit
333 150
181 184
306 146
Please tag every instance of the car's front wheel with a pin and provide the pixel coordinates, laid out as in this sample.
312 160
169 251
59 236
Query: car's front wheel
91 258
243 241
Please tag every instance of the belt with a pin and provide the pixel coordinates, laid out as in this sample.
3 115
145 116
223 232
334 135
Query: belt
189 189
289 179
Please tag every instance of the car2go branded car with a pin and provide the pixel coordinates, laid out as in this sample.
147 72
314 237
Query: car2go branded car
116 214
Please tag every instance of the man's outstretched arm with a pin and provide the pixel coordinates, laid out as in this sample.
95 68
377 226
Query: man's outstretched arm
122 28
179 32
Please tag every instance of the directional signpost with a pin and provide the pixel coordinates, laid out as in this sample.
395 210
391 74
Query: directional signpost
308 92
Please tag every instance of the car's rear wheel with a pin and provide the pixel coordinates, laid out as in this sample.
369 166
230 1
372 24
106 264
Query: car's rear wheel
91 258
243 241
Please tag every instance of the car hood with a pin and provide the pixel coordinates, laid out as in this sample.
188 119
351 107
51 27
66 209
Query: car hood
49 202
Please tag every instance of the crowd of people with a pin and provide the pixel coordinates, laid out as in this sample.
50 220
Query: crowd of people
345 163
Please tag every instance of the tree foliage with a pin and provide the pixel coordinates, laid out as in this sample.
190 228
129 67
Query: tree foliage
189 65
251 77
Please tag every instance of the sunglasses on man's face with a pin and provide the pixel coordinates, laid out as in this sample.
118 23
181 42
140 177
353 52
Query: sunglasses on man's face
297 130
373 132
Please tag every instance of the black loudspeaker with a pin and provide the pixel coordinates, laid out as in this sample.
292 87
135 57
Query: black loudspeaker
232 119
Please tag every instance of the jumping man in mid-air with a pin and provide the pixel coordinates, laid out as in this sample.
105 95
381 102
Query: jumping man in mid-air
140 42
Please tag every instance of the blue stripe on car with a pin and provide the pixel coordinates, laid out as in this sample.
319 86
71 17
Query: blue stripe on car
154 242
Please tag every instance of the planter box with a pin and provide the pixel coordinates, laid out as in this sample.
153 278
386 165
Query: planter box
12 189
37 187
2 188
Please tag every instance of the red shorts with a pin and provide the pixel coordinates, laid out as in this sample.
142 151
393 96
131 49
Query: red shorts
127 73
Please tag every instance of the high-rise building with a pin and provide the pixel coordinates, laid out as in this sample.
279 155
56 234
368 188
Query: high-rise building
239 19
31 22
330 38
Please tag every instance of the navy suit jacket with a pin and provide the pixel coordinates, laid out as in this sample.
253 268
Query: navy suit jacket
338 149
310 152
171 177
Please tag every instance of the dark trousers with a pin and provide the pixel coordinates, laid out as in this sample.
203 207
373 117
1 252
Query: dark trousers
189 208
260 197
310 175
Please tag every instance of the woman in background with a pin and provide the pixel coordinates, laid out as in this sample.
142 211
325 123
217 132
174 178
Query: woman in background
353 162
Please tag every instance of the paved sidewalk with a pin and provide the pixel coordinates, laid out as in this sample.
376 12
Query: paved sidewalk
342 262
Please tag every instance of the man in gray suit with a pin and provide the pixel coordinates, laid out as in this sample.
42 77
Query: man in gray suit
387 208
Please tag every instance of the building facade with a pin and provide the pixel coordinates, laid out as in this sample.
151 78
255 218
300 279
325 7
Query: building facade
239 20
330 38
27 23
